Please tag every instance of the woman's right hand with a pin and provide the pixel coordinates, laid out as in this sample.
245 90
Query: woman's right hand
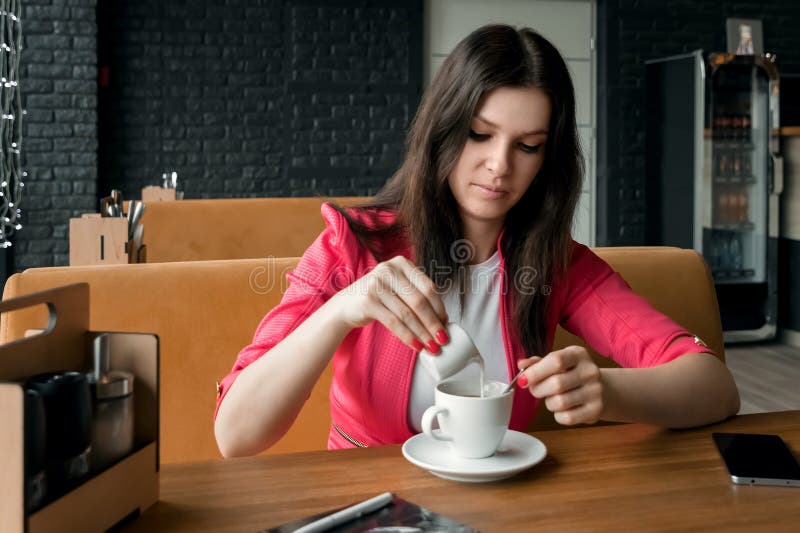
401 297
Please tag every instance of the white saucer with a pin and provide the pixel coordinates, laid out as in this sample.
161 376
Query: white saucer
517 452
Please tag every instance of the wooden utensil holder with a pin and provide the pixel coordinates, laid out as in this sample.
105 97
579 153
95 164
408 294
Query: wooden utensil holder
154 193
97 240
129 485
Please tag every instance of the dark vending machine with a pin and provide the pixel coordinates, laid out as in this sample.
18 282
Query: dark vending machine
714 177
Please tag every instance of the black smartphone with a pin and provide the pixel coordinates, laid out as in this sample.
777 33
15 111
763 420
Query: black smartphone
754 459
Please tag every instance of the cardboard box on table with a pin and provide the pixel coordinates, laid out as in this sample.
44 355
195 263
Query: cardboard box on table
105 498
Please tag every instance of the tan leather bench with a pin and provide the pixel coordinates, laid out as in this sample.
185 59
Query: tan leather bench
234 228
205 311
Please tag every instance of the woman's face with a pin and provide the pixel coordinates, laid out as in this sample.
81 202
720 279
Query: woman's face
503 153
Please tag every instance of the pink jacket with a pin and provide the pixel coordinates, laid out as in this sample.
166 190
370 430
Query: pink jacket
372 368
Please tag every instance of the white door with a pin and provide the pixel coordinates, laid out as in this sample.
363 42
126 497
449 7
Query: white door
569 25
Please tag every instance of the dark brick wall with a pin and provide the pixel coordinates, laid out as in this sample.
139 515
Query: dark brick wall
240 97
246 98
633 31
59 136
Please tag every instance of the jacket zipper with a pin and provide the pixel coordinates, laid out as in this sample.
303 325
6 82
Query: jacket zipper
353 441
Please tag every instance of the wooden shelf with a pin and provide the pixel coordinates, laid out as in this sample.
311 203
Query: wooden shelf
104 497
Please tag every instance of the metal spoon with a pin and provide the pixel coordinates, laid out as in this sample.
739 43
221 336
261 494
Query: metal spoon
116 201
135 212
105 203
138 236
131 209
138 213
514 381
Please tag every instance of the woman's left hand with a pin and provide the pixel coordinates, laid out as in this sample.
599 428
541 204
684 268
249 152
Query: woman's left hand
569 382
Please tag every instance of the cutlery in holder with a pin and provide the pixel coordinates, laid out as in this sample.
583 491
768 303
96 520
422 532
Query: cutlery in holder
113 236
167 192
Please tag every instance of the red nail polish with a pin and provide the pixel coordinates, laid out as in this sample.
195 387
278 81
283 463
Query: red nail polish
418 346
522 382
441 336
433 347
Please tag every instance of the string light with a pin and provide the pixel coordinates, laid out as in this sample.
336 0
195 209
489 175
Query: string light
10 121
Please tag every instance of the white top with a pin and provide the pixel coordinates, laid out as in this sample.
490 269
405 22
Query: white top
480 318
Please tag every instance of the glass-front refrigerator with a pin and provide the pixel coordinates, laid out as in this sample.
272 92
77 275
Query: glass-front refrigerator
714 177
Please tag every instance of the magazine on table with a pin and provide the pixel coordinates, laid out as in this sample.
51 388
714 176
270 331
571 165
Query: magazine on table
397 516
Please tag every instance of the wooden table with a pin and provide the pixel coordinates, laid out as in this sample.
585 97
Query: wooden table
624 477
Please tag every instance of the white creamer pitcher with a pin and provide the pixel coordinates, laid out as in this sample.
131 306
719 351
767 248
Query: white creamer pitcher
456 354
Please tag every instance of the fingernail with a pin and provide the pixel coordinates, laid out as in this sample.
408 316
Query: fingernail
441 336
418 346
522 382
433 347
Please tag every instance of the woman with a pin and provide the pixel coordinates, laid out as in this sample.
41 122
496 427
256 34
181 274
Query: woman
474 228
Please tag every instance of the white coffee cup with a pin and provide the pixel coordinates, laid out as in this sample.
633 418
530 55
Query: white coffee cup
457 353
473 426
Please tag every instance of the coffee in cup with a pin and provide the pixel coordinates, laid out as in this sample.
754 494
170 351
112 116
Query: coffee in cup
472 421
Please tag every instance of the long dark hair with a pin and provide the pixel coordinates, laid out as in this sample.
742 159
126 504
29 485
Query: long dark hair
536 240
